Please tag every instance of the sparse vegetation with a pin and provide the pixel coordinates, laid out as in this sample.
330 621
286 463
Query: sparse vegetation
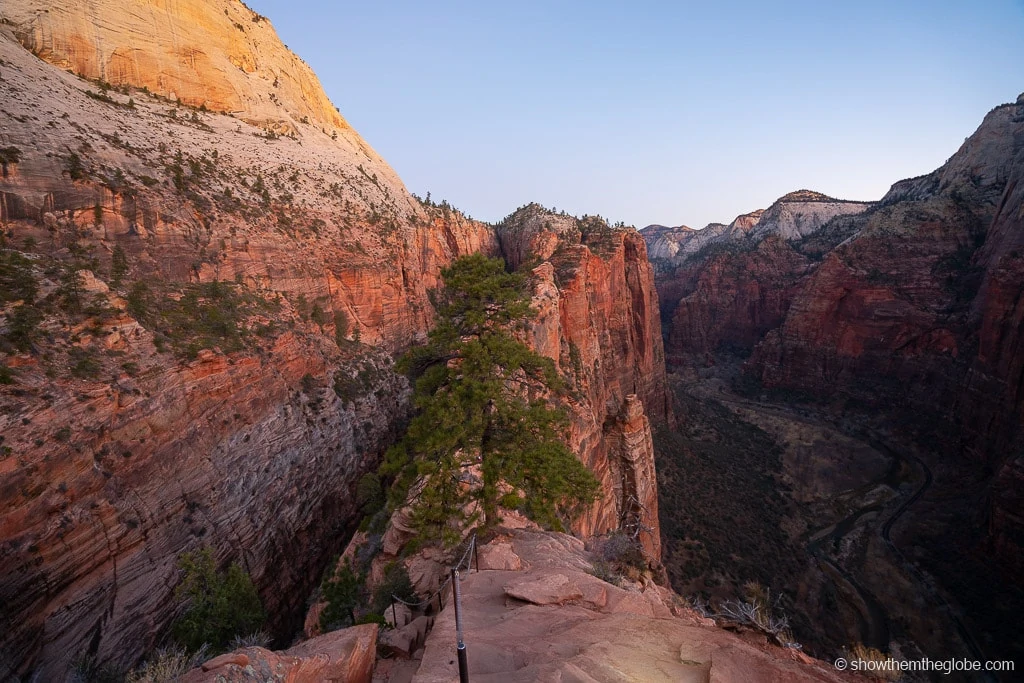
205 316
758 610
167 664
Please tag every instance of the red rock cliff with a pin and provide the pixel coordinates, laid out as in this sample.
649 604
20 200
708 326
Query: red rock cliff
122 447
598 321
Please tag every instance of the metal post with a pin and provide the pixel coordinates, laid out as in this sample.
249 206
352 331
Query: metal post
476 555
457 599
394 614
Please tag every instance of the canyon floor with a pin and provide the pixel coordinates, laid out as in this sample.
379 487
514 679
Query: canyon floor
852 524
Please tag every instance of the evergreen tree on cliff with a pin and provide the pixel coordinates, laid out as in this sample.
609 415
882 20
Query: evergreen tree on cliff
482 399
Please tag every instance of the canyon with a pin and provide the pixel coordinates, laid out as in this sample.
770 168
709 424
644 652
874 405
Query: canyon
873 336
207 276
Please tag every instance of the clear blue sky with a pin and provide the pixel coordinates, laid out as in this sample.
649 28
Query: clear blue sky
658 112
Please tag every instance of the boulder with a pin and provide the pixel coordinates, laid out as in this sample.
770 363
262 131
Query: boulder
345 656
498 556
553 589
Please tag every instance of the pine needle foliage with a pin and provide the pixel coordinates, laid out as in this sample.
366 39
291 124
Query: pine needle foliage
482 399
221 605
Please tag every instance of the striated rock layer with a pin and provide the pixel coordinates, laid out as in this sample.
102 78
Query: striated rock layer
219 55
598 321
300 264
121 448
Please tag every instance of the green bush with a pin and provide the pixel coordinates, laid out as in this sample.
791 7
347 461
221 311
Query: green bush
396 582
221 605
342 591
17 279
118 264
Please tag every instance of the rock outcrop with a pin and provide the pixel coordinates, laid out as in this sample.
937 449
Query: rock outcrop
345 656
802 213
594 290
724 287
553 620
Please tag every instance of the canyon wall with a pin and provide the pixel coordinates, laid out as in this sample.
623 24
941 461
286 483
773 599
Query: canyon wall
217 305
724 287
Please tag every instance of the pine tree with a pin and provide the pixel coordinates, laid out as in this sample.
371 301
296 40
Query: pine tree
482 399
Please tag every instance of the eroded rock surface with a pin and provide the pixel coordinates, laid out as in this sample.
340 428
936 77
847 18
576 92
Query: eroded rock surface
594 632
344 656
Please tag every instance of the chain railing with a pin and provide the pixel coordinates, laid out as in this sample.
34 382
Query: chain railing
468 556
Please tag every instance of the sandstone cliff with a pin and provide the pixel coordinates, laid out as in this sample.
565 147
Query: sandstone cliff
594 290
218 55
241 421
914 303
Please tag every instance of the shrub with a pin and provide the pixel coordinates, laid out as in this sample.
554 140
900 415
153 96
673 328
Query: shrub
17 278
221 605
84 365
623 552
21 326
138 300
759 611
73 165
863 653
369 493
168 664
341 591
118 264
397 583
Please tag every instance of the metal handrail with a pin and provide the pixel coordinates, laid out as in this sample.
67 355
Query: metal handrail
470 552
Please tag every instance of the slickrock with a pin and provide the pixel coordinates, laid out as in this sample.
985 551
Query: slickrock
345 656
499 556
553 589
629 637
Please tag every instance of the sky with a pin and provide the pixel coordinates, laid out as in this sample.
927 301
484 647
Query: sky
658 112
